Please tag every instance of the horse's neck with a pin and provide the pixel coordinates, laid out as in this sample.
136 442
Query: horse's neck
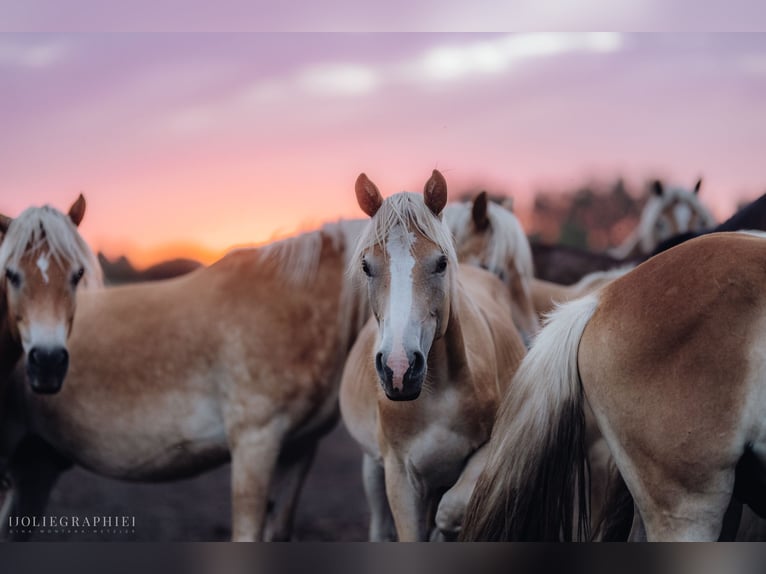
629 247
448 353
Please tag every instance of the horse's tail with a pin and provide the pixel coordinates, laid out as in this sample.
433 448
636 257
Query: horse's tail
534 484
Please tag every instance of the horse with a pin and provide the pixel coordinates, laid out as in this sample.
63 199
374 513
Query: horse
237 361
669 211
752 216
43 260
422 382
668 358
489 235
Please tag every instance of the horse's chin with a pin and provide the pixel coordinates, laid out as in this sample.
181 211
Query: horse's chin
46 387
49 384
401 396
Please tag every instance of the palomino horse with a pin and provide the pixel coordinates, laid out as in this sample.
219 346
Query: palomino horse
239 360
668 212
43 259
752 216
488 235
669 359
438 328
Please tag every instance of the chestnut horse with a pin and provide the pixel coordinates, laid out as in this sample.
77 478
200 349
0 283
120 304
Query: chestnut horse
439 328
489 236
43 260
240 360
669 359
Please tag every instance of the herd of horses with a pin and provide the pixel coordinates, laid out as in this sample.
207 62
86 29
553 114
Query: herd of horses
497 390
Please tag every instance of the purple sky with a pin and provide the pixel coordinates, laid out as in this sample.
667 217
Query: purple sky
202 141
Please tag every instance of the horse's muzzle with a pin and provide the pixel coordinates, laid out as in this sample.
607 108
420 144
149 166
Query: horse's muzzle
412 382
46 369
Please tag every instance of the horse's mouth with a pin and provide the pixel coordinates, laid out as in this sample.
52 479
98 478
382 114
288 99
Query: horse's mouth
402 396
46 385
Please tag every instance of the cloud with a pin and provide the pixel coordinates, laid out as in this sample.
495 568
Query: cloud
496 54
36 55
339 79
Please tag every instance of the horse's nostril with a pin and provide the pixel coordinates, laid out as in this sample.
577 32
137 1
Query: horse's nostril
34 356
60 357
418 363
379 362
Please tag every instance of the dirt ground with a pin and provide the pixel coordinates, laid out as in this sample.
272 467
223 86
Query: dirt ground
332 506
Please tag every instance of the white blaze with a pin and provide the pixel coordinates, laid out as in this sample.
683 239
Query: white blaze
401 263
683 215
42 265
45 335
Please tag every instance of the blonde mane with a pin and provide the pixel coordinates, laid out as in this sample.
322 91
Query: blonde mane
643 236
40 227
508 242
298 257
409 210
657 204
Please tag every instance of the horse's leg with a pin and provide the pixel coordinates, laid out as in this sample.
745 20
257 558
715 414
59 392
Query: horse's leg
291 471
637 529
408 505
731 521
381 520
254 455
453 503
34 469
670 512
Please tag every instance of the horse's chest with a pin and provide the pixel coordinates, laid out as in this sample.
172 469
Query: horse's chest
437 455
436 443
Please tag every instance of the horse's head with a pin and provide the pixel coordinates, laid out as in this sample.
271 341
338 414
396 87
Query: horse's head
488 235
43 260
670 211
408 258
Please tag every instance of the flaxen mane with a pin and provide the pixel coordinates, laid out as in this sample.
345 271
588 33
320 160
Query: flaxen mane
407 209
509 243
298 257
45 227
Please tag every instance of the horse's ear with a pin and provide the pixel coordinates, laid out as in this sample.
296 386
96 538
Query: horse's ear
435 192
697 186
508 204
368 195
77 211
657 187
5 223
479 212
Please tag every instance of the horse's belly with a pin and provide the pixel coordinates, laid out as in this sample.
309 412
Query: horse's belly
170 438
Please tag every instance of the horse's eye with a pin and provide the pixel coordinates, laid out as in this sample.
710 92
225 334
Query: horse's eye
13 277
76 276
366 269
441 265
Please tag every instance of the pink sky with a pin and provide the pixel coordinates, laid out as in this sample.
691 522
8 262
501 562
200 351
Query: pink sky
193 143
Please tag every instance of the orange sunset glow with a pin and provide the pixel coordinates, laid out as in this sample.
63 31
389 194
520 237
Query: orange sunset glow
188 145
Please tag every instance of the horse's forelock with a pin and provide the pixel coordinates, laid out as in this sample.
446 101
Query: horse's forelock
45 227
408 210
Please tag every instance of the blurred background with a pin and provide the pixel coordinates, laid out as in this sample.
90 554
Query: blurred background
186 145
